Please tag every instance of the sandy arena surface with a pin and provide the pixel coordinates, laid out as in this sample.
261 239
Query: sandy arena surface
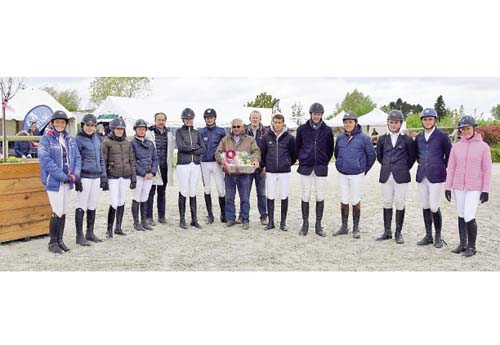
216 248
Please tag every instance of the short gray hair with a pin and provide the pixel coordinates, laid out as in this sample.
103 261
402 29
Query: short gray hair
237 121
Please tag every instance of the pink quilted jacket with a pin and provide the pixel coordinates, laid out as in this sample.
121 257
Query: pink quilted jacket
469 167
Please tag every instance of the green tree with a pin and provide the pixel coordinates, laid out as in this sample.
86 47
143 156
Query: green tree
68 98
102 87
404 107
495 111
263 100
440 107
297 113
357 102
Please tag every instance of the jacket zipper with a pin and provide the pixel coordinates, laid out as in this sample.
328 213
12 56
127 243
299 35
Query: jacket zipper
465 167
191 140
315 146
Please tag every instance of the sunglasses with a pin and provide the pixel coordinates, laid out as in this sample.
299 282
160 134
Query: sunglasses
236 126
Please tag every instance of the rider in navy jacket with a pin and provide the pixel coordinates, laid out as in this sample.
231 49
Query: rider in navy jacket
396 160
89 147
146 157
354 153
431 161
211 137
279 154
314 148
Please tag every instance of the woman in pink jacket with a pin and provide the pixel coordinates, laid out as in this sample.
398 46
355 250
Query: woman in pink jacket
469 177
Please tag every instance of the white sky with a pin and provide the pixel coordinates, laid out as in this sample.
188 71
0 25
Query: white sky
474 93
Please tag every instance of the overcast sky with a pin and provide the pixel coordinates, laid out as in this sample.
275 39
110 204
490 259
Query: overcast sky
474 93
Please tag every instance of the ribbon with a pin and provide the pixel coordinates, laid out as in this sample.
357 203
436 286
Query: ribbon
228 157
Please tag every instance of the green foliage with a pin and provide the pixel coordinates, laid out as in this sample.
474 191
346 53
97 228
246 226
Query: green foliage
495 111
357 102
413 121
403 106
68 98
102 87
440 107
447 121
262 100
495 153
12 159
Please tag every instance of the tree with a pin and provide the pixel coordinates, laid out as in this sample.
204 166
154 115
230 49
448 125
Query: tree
102 87
404 107
495 111
68 98
8 89
263 100
356 102
297 113
440 107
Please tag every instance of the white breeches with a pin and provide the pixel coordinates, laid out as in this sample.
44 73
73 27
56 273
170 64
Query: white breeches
350 188
430 194
59 201
467 203
141 191
277 179
209 169
187 175
118 191
307 181
394 192
89 197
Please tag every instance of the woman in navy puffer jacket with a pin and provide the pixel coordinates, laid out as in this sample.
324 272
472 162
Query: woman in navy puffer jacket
355 156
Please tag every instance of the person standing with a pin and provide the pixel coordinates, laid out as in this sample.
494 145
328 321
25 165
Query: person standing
433 152
278 155
119 160
469 180
146 167
238 141
354 157
60 166
256 130
314 144
162 138
396 153
93 177
212 135
190 148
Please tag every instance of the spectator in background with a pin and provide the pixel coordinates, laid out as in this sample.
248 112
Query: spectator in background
100 132
33 145
22 148
374 137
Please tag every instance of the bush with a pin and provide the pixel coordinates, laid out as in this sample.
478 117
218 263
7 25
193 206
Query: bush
495 153
491 134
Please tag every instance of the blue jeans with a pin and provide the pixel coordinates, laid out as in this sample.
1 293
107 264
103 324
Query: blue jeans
242 182
260 184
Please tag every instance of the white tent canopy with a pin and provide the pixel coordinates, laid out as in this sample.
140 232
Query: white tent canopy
25 100
376 117
337 120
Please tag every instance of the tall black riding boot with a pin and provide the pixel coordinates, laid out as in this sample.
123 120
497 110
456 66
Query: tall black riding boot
428 228
462 233
208 203
111 219
119 218
438 221
304 206
53 230
194 210
60 233
387 235
400 217
320 206
222 204
356 214
90 227
80 239
135 214
471 234
270 214
144 217
182 211
284 211
344 215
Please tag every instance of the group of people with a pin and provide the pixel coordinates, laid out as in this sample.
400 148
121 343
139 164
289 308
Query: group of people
144 165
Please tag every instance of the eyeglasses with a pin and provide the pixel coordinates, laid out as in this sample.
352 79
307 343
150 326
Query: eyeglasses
236 126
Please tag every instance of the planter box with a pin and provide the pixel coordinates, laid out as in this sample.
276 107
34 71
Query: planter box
24 205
